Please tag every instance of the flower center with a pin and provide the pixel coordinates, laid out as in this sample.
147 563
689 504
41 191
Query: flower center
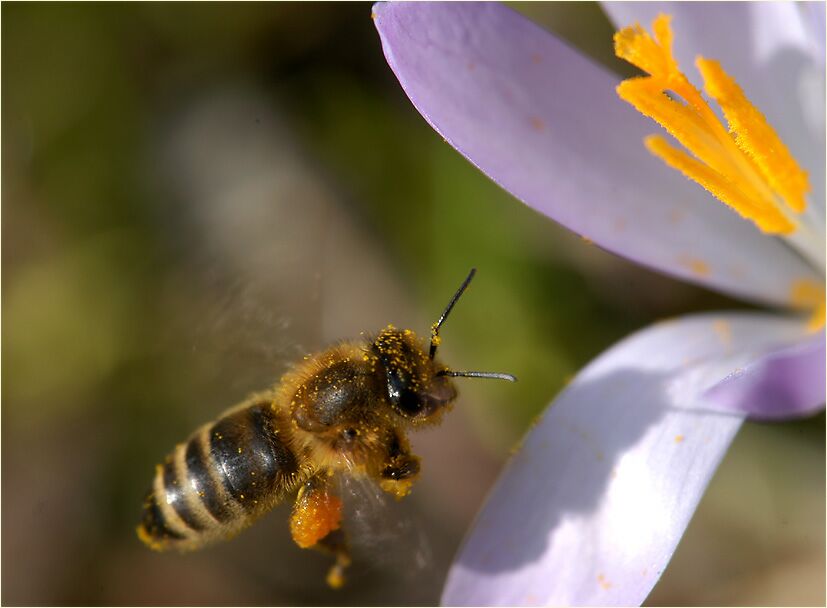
745 166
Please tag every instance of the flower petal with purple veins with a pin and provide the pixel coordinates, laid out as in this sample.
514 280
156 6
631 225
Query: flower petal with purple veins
793 376
591 508
546 124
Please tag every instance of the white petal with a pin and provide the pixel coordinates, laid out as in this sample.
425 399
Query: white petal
591 508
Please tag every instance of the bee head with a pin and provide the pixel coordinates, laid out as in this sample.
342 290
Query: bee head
415 387
419 387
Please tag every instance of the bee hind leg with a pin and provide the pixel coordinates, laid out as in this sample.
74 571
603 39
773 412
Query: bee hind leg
336 543
316 523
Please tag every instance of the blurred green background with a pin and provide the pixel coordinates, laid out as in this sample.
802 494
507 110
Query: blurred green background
196 194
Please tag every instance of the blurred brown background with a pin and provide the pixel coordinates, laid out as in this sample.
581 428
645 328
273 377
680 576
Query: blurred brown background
196 194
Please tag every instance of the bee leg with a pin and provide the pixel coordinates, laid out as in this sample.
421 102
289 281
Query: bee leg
399 475
316 522
400 468
336 543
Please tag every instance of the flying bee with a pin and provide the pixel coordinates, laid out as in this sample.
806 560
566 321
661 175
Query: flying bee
345 410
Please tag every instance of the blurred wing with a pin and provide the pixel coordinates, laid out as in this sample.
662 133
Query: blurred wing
273 264
382 532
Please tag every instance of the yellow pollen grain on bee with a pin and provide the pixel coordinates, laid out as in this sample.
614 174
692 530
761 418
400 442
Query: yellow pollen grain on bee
144 536
335 579
744 163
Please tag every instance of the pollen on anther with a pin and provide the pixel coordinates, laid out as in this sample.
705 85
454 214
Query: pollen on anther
742 163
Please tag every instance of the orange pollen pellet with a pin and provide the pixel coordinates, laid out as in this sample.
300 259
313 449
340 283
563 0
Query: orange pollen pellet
315 515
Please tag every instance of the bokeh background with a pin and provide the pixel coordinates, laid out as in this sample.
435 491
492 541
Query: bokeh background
193 195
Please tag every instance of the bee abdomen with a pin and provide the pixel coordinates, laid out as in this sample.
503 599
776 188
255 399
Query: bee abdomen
227 474
251 459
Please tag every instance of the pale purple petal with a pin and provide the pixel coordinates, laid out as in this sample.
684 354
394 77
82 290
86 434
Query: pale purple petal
770 48
814 19
546 124
788 382
591 508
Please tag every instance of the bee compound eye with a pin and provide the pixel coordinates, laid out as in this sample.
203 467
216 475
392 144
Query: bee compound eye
409 403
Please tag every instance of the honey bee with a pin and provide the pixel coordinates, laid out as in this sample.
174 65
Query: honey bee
345 410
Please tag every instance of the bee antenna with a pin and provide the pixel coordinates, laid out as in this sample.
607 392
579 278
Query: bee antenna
495 375
435 327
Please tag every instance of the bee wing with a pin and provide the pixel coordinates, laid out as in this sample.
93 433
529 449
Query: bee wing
273 263
382 532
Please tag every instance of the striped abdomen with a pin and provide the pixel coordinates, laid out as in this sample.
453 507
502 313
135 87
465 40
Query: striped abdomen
228 473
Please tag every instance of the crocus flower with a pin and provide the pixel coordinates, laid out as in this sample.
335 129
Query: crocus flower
592 506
